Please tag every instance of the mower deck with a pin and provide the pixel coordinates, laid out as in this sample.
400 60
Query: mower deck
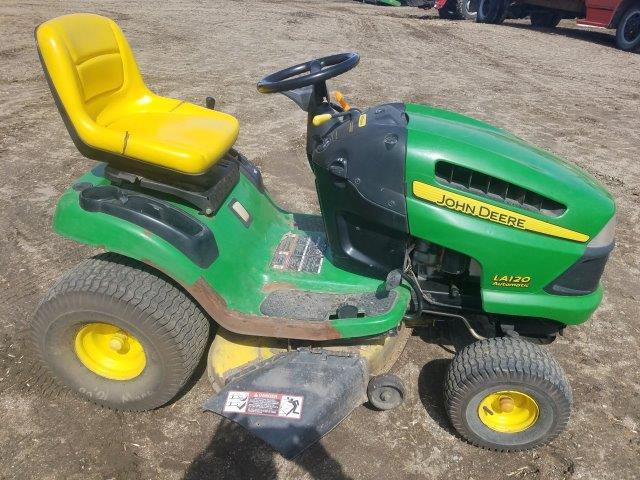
293 399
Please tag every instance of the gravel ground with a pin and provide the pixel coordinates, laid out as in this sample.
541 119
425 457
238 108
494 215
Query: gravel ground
569 91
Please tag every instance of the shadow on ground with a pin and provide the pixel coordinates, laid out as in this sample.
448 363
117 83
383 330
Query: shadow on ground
604 38
234 453
430 388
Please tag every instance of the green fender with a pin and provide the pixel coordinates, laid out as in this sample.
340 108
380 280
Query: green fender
234 286
113 234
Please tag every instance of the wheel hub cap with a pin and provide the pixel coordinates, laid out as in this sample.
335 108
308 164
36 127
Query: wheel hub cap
508 411
109 351
632 28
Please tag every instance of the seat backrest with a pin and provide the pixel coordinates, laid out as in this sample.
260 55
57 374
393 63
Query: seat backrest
89 65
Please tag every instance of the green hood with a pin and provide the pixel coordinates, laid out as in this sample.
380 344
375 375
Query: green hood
439 135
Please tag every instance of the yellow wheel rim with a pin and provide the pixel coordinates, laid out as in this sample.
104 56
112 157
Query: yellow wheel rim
109 351
508 411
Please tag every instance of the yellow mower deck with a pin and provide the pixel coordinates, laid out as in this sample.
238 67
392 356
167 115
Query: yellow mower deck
231 353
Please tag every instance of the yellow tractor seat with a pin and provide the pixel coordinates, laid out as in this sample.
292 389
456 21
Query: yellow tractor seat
109 111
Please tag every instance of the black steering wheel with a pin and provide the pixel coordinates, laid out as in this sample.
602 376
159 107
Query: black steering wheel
316 71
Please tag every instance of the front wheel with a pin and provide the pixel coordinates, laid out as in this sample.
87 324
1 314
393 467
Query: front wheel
506 394
545 19
628 31
119 333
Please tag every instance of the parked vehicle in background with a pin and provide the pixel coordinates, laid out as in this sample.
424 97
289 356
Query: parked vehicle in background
457 9
402 3
426 4
622 15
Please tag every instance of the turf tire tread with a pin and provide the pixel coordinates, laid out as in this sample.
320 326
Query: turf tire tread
147 294
516 359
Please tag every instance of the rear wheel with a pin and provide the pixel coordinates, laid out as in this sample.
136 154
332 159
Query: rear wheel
491 11
506 394
543 19
119 333
628 31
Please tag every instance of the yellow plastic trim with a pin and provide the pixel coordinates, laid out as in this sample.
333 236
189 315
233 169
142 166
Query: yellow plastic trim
470 206
508 411
231 352
109 351
320 119
96 77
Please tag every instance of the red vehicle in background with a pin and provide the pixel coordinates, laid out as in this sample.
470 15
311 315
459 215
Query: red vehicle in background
622 15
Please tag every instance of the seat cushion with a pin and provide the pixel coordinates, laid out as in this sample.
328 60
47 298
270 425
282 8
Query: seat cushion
188 139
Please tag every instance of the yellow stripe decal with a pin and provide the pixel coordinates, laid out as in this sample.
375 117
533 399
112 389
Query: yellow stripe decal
476 208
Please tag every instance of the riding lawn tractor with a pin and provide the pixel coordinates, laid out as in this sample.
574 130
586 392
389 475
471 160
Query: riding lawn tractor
428 218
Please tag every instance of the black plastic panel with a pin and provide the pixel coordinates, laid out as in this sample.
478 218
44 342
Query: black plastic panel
181 230
248 169
361 187
223 177
468 180
583 277
327 386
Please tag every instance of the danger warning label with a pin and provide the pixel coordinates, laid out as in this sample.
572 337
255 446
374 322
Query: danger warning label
265 404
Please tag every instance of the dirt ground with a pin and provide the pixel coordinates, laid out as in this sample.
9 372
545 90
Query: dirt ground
569 91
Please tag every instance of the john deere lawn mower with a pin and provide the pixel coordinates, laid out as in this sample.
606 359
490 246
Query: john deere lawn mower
428 218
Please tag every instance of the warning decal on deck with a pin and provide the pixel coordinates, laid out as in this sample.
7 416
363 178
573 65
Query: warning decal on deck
265 404
299 253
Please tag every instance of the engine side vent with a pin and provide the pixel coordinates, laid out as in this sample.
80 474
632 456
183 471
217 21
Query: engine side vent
479 183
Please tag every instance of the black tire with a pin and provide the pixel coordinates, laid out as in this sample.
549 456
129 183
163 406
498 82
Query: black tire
450 11
137 299
628 31
506 364
543 19
491 11
385 392
467 9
